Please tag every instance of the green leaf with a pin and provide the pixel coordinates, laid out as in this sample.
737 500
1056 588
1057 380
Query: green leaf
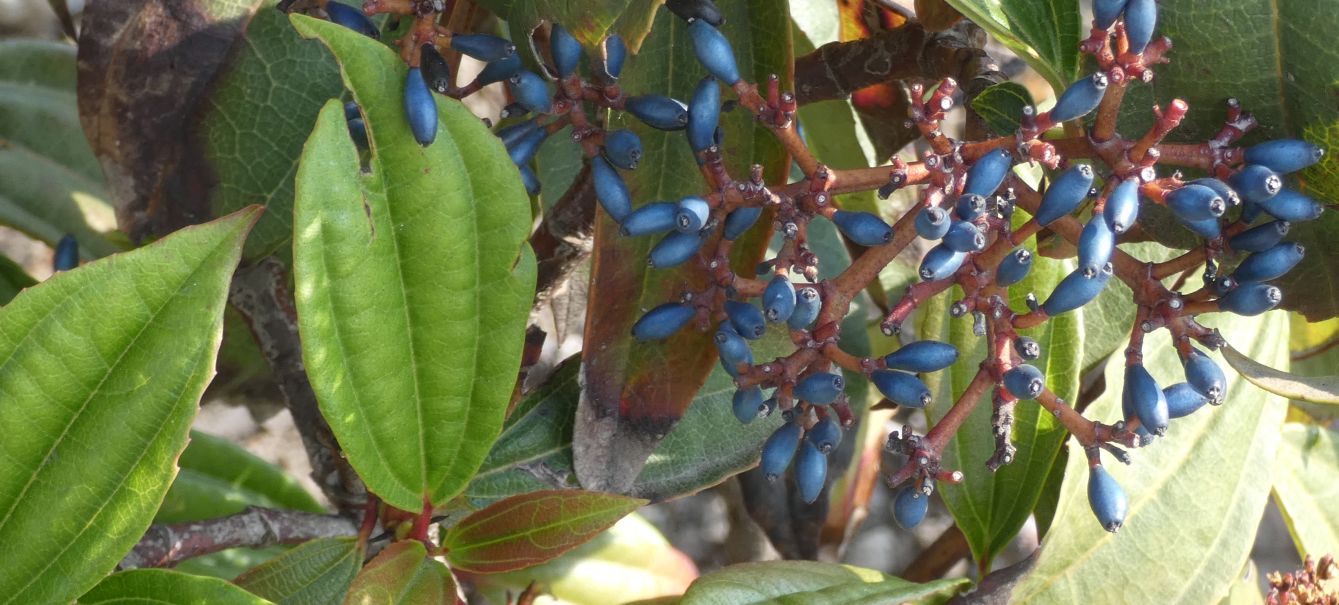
1110 317
37 105
1246 589
103 369
589 21
811 583
166 587
414 281
220 478
230 563
1308 462
1315 389
1001 106
314 573
1195 495
529 529
13 279
1044 33
402 574
47 200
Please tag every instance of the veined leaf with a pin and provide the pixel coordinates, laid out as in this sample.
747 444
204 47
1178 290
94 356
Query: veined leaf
589 21
220 478
13 279
314 573
1305 489
103 369
1044 33
1001 106
402 574
1315 389
166 587
811 583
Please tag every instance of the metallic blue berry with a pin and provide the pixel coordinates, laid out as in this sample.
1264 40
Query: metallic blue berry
1251 299
692 214
1256 183
1141 17
1096 242
658 111
1024 381
713 51
863 228
1183 400
530 180
351 18
807 305
902 388
778 450
922 356
1292 206
1081 98
1261 237
1207 228
1106 498
1014 267
420 108
732 347
435 70
1196 203
1222 189
67 254
826 434
484 47
987 174
524 148
655 217
970 206
1267 265
941 262
691 10
1145 398
499 70
1284 155
1075 291
910 506
747 404
746 318
663 321
358 131
963 236
1105 12
932 223
1067 191
566 50
739 221
676 248
820 388
704 115
610 189
1122 211
811 469
531 91
623 148
778 300
1205 376
615 52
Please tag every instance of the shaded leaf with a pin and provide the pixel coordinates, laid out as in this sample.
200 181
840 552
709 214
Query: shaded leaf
230 563
166 587
218 478
529 529
13 279
589 21
811 583
317 573
1315 389
134 338
413 366
1044 33
1195 495
1001 106
402 574
1307 463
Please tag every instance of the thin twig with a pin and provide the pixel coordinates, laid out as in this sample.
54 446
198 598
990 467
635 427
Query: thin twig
255 527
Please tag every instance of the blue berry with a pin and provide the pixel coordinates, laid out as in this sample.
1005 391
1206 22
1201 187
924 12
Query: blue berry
1196 203
1105 12
1096 242
1250 299
1075 291
524 148
1267 265
1145 398
1027 348
610 189
566 50
739 221
615 52
826 434
778 300
807 305
420 108
910 506
692 214
1292 206
987 174
820 388
1207 228
435 70
663 321
1260 238
623 148
810 471
658 111
746 319
902 388
484 47
863 228
922 356
1255 183
358 131
351 18
1106 498
655 217
689 10
713 51
932 223
1205 376
67 254
704 115
1141 16
1183 400
732 347
779 449
1284 155
531 91
1080 99
747 404
1067 191
1014 267
940 263
1222 189
675 248
963 236
1122 210
1024 381
970 206
530 180
499 70
511 134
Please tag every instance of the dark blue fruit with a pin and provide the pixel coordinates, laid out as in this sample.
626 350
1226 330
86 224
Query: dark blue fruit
1014 267
1141 16
530 180
420 108
1067 191
67 253
747 404
778 300
863 228
940 263
655 217
810 470
689 10
435 70
1205 376
658 111
922 356
497 71
1027 348
826 434
691 214
1250 299
483 47
1081 98
963 236
663 321
1025 381
1122 210
704 114
566 51
358 131
1260 238
1207 228
1227 193
1256 183
987 174
820 388
623 148
1096 243
1292 206
1146 399
351 18
524 148
1267 265
807 306
531 91
511 134
675 248
932 223
970 206
902 388
732 347
1105 12
1075 291
1284 155
740 221
910 506
610 189
713 51
1196 203
615 52
1183 400
779 449
1106 498
746 319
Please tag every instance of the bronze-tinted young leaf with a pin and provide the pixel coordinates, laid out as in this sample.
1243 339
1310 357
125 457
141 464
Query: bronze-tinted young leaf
166 587
635 392
314 573
1315 389
103 370
402 574
530 529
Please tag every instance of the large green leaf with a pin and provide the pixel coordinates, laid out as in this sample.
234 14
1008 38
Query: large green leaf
413 281
103 368
1044 33
403 574
1313 389
811 583
219 478
314 573
635 392
1195 495
166 587
1305 488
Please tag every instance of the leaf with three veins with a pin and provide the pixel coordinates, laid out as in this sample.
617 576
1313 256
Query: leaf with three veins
317 572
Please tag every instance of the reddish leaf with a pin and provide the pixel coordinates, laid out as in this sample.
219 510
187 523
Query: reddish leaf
532 528
402 574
